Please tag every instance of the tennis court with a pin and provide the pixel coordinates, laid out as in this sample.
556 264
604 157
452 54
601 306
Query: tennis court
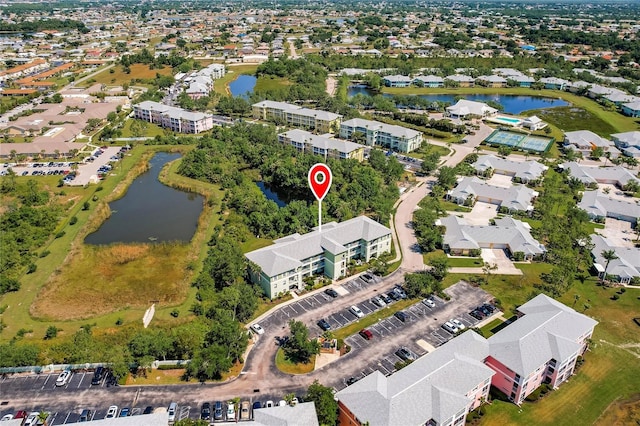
519 141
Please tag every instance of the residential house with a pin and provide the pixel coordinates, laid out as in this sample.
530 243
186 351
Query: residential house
289 415
284 265
324 145
429 81
459 80
599 206
577 86
472 189
585 142
470 109
461 239
626 266
397 81
176 119
554 83
524 171
296 116
381 134
443 386
628 142
631 109
494 81
615 175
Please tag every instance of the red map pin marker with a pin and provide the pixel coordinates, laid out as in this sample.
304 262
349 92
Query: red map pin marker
319 180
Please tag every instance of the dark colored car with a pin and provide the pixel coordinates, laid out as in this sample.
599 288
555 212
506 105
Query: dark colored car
366 278
489 307
401 316
125 412
257 405
148 410
386 298
367 334
393 295
351 380
476 314
205 411
400 292
324 325
405 354
98 375
85 416
331 292
218 414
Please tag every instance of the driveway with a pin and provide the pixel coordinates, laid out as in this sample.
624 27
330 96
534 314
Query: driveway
618 232
495 257
480 214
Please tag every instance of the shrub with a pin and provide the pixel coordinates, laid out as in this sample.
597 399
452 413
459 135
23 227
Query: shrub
60 234
85 205
615 297
31 268
170 367
73 220
52 331
120 321
45 253
99 188
175 313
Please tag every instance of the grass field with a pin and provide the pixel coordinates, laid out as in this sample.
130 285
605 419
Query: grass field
221 86
486 330
119 77
289 367
271 83
150 129
571 118
617 121
18 314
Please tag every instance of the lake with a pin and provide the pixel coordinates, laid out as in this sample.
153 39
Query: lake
243 85
151 211
513 104
270 194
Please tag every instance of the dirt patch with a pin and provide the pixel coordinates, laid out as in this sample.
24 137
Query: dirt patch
624 412
119 77
100 280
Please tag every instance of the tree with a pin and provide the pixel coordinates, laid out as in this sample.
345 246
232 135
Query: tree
488 268
439 267
608 255
326 405
43 416
52 331
446 177
299 348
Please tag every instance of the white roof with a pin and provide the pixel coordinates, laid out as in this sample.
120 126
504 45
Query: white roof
586 139
516 197
173 112
629 138
464 107
598 204
298 110
302 414
321 141
391 129
594 174
288 253
526 170
627 265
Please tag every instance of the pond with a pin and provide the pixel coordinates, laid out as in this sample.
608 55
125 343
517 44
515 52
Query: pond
513 104
243 85
271 194
151 211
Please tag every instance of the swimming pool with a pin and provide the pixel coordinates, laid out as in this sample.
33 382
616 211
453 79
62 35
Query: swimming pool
509 121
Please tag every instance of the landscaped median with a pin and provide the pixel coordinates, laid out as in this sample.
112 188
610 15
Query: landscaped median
373 318
289 367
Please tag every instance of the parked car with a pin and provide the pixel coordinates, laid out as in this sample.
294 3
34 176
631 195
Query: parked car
429 303
458 323
366 277
125 412
257 328
173 408
205 411
282 403
245 410
231 411
450 327
112 412
98 375
405 354
63 378
32 419
257 405
351 380
324 324
401 316
393 295
356 311
148 410
85 416
378 301
218 413
268 404
400 292
6 418
21 414
331 292
489 307
367 334
476 314
386 298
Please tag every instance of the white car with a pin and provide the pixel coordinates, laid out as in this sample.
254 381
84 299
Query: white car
231 411
429 303
6 418
450 327
378 301
356 311
32 419
257 328
268 404
458 324
112 412
282 403
63 378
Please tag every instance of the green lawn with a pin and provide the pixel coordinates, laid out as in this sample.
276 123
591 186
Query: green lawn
453 207
267 83
454 262
289 367
150 129
486 330
427 148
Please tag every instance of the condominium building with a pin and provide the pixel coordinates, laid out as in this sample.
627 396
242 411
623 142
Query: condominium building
201 82
442 387
283 265
389 136
176 119
471 189
296 116
324 145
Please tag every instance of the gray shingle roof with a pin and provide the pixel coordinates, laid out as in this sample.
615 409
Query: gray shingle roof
321 141
173 112
598 204
391 129
517 197
288 253
432 387
627 265
548 330
298 110
586 139
303 414
526 170
586 174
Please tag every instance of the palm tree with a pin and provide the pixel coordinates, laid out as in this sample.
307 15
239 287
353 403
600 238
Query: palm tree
43 416
608 255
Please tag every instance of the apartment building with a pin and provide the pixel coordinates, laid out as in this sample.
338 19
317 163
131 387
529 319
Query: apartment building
325 146
284 265
443 386
201 82
176 119
23 69
389 136
296 116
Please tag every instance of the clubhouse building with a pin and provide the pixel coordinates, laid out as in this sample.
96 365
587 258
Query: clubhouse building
283 265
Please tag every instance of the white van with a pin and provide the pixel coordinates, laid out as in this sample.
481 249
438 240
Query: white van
173 407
